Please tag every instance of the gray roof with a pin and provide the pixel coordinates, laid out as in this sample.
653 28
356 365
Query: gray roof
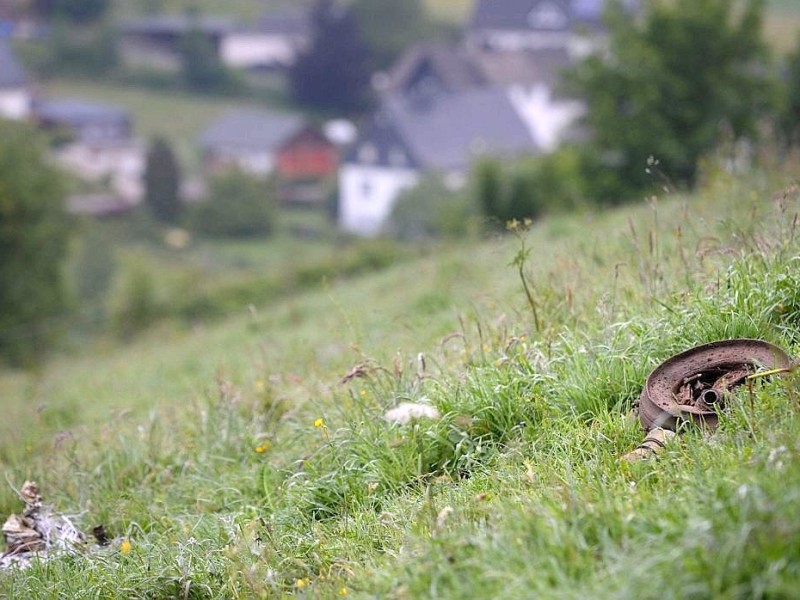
509 14
180 24
11 72
450 63
75 111
447 134
250 129
290 21
522 67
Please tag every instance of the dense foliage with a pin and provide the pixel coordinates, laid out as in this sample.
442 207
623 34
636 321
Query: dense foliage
528 189
238 206
430 210
672 86
33 245
201 66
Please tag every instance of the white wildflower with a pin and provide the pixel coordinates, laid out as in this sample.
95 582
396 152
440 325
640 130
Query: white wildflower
405 412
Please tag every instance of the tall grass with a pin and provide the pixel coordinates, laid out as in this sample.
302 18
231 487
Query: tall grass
253 458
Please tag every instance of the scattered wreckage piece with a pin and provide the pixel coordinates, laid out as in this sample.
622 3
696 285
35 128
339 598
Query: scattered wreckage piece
37 531
696 384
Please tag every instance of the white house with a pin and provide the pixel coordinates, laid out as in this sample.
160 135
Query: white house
15 96
412 136
99 146
514 25
274 41
271 42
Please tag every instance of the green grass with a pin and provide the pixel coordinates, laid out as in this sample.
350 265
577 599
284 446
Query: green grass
199 445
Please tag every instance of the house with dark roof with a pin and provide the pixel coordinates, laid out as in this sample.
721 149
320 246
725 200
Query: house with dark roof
98 142
410 136
511 25
15 95
261 142
272 41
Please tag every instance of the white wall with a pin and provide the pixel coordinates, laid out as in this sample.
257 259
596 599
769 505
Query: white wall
15 103
243 50
547 118
367 195
123 164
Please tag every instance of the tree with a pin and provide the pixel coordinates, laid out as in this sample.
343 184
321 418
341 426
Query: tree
201 65
78 11
332 73
430 210
34 232
389 27
162 183
672 83
790 113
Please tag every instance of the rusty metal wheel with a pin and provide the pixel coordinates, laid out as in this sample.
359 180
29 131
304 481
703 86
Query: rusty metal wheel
695 384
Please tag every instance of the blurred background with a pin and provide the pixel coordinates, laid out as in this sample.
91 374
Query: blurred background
176 160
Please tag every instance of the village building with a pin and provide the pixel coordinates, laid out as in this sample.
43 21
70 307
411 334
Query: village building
262 143
272 42
514 25
15 94
407 137
95 142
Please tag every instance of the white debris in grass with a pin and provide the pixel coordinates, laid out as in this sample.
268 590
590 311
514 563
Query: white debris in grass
37 533
405 412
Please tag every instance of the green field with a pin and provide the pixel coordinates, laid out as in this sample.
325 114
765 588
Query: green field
234 459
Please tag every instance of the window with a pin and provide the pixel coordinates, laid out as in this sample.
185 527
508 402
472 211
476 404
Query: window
366 189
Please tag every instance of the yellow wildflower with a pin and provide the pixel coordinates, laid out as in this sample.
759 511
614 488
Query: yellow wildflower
319 422
261 448
301 583
125 546
343 591
363 393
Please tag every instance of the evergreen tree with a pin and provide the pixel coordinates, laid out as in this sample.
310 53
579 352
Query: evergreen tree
34 232
202 68
333 73
672 83
162 183
80 11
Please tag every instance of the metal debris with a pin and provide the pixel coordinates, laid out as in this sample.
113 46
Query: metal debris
656 441
695 385
37 533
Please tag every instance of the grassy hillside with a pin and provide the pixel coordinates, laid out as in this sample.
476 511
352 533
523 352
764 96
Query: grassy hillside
239 460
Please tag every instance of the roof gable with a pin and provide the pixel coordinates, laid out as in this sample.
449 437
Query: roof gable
435 68
250 129
12 73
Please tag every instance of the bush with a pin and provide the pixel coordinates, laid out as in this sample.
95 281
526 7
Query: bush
239 206
34 237
135 306
430 210
530 188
